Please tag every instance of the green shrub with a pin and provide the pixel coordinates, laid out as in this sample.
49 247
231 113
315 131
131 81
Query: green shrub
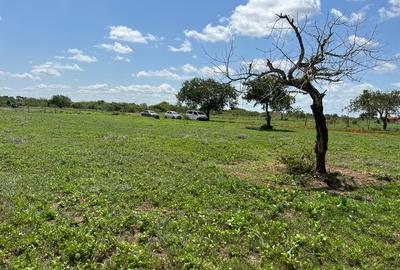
298 162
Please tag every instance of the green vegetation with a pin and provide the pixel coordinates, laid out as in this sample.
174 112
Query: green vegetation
377 102
208 95
269 93
91 190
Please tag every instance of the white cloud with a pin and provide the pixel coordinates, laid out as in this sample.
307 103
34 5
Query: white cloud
205 71
210 33
163 88
391 12
79 56
124 33
54 69
116 47
48 86
256 18
397 84
185 47
121 58
384 67
164 73
361 41
132 88
188 68
94 87
25 75
355 17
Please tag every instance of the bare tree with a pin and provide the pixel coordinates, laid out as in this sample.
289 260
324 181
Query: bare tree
324 53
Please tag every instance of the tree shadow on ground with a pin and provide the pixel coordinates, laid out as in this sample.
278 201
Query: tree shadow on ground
340 180
257 128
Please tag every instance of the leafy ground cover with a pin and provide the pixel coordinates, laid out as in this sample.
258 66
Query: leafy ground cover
87 190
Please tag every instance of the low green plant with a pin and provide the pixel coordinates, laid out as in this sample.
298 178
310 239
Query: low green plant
298 161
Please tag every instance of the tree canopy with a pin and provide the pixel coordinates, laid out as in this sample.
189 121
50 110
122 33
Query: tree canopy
207 94
377 102
269 93
60 101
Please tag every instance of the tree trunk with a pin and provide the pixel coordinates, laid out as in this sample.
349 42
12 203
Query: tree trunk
385 122
208 113
321 142
267 117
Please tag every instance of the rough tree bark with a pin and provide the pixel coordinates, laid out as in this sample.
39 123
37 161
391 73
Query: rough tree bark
385 122
321 142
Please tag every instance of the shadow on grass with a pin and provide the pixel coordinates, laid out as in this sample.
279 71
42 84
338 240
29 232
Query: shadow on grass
268 130
335 182
222 121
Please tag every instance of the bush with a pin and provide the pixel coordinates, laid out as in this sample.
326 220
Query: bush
298 162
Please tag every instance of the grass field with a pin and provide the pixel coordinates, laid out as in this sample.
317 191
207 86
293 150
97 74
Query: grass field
94 190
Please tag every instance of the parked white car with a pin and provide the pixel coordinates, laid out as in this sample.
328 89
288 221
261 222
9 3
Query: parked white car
196 115
173 115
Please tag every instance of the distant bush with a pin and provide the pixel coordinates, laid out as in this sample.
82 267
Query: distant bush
298 162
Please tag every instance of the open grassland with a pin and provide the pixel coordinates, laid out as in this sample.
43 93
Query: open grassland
95 190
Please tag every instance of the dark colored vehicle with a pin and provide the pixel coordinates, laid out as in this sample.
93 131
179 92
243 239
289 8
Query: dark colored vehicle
150 114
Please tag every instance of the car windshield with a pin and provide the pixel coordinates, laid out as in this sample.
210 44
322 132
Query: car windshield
201 113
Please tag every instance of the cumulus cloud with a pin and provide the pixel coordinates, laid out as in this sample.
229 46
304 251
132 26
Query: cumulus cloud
383 67
53 68
164 73
210 33
188 68
256 18
355 17
186 46
397 84
80 57
392 11
25 75
116 47
131 88
94 87
48 86
121 58
124 33
362 41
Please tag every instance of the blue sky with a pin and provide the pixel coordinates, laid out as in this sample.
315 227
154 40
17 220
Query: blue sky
141 51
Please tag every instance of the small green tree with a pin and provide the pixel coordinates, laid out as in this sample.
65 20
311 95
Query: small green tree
207 94
377 102
60 101
269 93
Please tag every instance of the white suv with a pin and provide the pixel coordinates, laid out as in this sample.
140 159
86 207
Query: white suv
196 115
173 115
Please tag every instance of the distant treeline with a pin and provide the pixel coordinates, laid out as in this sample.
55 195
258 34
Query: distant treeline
60 101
